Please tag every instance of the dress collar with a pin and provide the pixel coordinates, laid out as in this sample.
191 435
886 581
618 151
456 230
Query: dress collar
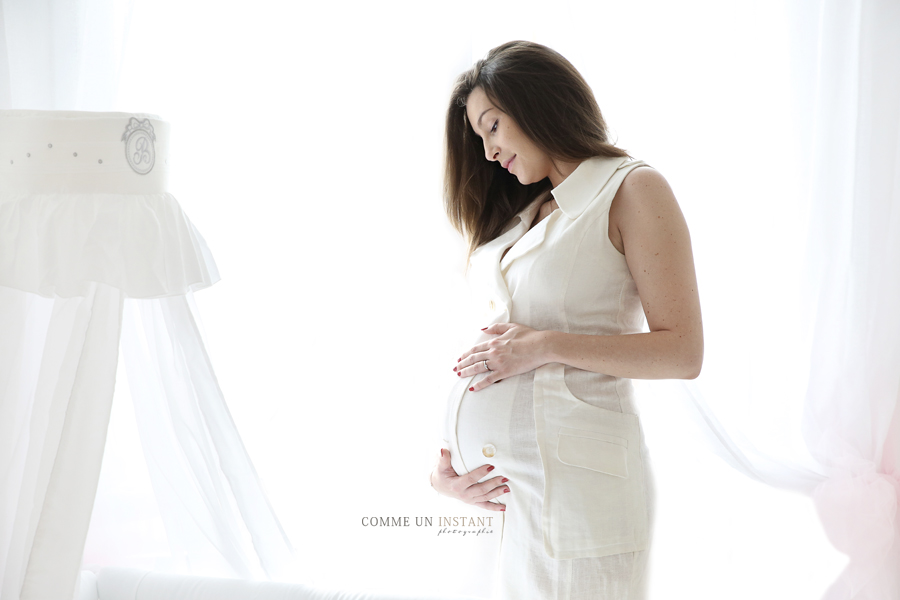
584 183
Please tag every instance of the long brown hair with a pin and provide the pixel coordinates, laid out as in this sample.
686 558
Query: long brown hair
550 102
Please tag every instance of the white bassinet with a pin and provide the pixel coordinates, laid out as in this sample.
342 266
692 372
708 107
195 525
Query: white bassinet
93 247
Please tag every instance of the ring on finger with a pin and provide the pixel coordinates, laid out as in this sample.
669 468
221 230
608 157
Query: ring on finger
486 368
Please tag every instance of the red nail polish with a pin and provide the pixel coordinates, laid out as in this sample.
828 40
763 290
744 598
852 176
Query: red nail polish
458 359
471 389
491 468
504 480
483 328
454 368
506 491
502 509
459 373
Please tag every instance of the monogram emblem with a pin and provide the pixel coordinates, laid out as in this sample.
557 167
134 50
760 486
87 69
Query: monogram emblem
139 149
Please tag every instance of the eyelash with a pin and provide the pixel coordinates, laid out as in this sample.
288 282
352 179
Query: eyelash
494 127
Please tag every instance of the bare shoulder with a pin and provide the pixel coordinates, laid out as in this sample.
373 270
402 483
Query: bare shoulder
643 194
655 240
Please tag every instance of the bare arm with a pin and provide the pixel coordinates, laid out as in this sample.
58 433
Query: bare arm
647 226
647 223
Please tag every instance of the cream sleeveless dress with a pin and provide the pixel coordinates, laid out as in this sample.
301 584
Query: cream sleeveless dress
562 274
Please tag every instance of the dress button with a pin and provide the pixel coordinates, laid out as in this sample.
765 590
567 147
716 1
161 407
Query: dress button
489 450
492 304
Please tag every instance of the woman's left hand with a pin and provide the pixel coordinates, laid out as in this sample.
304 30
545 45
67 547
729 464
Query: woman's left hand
516 349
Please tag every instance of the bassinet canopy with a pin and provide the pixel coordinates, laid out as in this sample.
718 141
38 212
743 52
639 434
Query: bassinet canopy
94 249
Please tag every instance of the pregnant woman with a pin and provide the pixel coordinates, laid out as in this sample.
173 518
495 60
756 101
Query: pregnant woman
573 243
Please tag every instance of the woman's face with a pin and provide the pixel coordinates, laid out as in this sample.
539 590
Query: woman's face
505 142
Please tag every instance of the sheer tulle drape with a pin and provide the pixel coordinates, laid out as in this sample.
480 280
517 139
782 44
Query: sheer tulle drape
215 512
72 266
57 376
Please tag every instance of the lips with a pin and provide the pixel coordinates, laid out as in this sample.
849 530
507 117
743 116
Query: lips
509 162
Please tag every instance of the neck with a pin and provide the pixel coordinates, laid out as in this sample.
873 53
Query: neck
563 170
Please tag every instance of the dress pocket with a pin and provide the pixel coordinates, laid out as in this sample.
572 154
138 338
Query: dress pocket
593 450
595 494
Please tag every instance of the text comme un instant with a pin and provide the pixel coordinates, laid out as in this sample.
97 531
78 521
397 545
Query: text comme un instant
427 521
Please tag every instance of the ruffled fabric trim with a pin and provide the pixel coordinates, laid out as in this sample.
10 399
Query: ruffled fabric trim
56 244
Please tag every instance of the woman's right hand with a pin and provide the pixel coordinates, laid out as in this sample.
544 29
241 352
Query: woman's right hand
466 487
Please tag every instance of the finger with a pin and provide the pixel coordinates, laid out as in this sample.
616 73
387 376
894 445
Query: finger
483 383
500 491
483 346
445 468
497 328
497 481
473 477
491 506
486 490
474 364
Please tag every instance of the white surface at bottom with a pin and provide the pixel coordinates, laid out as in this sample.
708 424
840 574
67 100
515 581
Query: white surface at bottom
136 584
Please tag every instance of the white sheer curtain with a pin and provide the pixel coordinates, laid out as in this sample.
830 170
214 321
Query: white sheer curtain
75 260
852 418
846 83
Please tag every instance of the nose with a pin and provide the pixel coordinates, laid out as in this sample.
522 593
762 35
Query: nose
490 151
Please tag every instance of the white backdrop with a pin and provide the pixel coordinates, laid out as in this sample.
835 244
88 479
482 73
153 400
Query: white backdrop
307 150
